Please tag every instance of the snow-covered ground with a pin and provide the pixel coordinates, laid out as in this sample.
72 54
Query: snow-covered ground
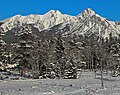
86 85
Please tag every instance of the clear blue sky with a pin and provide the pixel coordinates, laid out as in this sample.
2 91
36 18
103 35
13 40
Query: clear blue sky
107 8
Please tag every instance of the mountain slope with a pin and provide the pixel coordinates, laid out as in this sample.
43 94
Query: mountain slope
89 22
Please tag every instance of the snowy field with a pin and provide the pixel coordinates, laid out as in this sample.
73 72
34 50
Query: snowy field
86 85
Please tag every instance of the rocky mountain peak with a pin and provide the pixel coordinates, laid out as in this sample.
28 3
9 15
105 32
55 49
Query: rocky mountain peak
87 13
51 14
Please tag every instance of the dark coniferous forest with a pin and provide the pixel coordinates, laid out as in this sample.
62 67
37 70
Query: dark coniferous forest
58 56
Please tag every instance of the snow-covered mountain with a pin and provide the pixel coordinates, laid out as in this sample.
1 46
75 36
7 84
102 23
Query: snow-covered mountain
87 22
53 17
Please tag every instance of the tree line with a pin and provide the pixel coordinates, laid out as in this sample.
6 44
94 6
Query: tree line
60 56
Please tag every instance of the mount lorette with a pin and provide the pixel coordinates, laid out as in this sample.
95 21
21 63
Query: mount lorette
86 23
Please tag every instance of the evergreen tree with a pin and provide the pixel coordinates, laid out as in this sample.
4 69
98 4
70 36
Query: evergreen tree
2 48
26 50
59 56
